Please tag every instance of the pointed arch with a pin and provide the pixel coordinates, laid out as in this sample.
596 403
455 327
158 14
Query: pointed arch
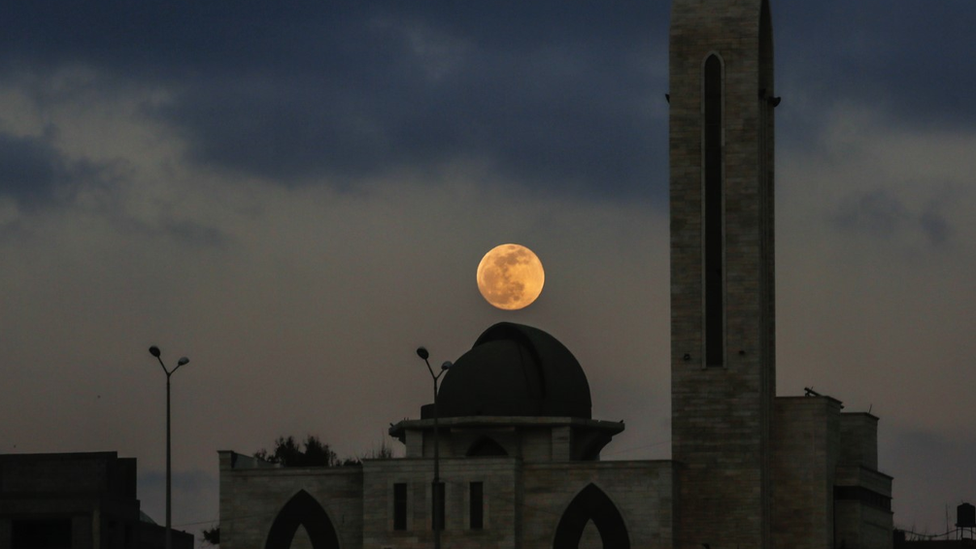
302 510
486 446
591 504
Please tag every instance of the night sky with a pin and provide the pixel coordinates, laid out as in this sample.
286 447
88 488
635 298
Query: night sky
297 194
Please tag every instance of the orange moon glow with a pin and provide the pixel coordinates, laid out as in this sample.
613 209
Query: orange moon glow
510 277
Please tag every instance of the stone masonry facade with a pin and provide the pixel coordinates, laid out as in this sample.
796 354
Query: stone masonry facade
523 502
748 470
721 415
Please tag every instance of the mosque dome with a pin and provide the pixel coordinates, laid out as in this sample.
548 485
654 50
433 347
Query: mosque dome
515 370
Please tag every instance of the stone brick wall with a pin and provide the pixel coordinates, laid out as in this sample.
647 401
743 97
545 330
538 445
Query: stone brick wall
721 416
862 521
862 527
816 449
859 439
523 503
531 439
643 492
501 522
805 451
252 497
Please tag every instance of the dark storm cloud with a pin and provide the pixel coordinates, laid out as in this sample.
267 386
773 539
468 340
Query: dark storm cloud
877 212
935 226
29 168
189 232
33 173
911 59
883 215
546 95
402 88
36 175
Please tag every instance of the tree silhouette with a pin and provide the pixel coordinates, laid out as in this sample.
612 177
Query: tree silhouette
211 535
290 453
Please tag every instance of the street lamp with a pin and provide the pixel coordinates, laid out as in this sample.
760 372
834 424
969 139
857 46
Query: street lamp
435 493
154 351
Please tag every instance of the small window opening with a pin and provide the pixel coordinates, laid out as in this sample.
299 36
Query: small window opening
477 505
400 506
437 501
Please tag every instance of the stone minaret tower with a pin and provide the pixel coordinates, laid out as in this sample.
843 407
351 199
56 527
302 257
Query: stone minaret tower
722 310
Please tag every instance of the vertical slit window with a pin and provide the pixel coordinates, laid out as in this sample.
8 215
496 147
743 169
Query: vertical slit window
437 501
400 506
713 211
477 509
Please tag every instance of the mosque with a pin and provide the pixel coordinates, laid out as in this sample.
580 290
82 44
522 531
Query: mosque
518 450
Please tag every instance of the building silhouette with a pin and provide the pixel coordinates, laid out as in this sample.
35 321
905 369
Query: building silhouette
519 450
84 500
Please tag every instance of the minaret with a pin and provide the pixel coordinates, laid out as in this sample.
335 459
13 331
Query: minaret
722 310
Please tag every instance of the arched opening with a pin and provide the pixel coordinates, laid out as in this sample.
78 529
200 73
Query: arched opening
591 504
486 446
302 510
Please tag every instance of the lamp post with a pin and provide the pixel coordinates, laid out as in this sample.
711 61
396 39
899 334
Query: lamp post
435 495
154 351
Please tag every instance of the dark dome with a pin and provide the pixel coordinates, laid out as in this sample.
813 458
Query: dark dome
515 370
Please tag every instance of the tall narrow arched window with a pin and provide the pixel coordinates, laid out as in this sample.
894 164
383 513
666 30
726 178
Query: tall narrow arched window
713 212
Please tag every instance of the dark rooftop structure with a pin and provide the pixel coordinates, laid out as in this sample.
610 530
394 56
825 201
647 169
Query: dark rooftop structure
75 501
514 370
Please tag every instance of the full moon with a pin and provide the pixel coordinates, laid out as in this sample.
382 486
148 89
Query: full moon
510 277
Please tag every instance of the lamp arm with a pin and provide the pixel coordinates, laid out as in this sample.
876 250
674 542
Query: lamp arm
429 369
